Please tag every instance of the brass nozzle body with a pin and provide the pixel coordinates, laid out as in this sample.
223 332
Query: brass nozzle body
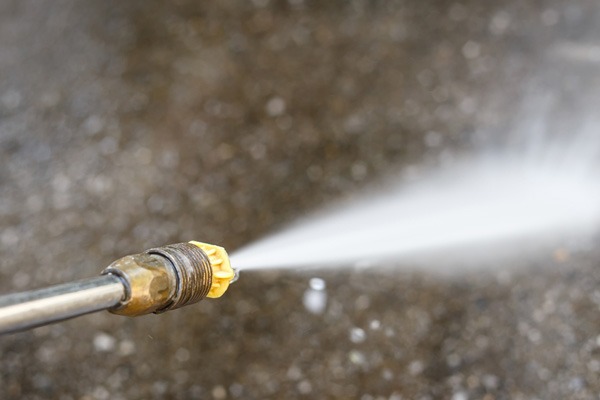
170 277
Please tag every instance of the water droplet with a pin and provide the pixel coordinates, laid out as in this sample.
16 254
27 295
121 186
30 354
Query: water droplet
375 325
460 396
219 392
317 284
315 301
275 106
416 367
357 335
182 354
126 347
104 342
305 387
356 357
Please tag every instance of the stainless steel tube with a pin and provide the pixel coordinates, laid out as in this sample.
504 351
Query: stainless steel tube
39 307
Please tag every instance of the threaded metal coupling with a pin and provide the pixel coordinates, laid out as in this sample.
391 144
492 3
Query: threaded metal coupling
170 277
193 273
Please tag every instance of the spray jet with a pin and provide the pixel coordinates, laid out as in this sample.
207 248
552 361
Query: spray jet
155 281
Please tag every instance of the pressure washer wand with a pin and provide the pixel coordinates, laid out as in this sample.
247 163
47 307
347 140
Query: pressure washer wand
156 281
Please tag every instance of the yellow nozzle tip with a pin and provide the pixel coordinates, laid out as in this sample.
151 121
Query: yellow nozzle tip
223 274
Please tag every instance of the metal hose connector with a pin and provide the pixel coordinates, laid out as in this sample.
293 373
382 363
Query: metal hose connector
163 278
193 272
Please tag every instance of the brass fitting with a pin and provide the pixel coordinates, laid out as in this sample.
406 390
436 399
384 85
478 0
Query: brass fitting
150 282
170 277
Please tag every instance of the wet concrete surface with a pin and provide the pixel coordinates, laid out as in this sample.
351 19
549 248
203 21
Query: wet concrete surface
129 125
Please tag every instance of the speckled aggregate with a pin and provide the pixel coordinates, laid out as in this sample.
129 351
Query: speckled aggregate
125 125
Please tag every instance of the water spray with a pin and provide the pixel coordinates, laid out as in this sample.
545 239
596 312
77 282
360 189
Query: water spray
155 281
475 204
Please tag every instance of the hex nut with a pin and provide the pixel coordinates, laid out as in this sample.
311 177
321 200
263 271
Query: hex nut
150 281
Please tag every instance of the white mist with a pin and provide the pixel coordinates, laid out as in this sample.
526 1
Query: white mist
479 202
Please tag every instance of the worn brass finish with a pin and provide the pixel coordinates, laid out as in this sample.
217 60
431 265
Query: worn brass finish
150 283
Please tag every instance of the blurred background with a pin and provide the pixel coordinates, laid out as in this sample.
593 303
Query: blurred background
126 125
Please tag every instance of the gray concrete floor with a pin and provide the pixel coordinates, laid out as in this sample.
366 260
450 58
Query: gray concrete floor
126 125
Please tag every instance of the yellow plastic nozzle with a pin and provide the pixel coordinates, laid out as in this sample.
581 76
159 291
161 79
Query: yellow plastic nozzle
222 272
